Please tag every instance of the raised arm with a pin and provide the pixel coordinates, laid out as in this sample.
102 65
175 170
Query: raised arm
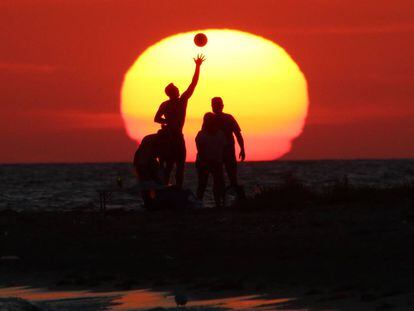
190 90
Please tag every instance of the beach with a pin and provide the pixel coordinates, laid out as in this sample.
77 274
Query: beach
352 253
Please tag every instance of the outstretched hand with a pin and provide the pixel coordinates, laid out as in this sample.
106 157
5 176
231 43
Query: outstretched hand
200 59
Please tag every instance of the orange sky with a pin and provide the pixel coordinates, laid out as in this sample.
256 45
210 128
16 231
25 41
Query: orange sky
62 64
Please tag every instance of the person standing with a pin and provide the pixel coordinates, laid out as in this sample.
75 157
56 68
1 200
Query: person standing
228 124
171 115
210 142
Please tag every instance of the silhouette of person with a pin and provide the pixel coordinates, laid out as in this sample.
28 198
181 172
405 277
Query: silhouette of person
147 167
147 162
228 124
146 159
171 115
210 142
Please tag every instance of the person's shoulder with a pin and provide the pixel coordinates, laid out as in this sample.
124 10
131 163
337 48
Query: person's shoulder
226 115
146 138
163 105
166 103
149 138
183 99
152 136
232 122
229 116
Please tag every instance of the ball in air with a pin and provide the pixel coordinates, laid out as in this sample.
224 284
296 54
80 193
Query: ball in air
200 39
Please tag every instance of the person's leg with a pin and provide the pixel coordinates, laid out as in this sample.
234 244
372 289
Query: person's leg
168 166
230 164
218 186
154 169
202 174
181 155
179 173
171 156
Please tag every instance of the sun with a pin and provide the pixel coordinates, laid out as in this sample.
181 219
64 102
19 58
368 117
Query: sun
261 85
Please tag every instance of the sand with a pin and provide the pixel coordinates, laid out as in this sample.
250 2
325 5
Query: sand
344 256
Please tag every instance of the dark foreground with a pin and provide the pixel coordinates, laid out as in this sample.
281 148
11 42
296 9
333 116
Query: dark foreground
333 252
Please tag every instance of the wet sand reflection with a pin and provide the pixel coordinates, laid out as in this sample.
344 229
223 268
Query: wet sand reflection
136 299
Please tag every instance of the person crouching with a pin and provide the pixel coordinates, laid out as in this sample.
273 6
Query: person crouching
210 142
148 169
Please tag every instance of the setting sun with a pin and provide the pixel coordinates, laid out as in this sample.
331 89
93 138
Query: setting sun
262 87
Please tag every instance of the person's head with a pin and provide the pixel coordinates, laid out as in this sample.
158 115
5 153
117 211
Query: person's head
209 123
172 91
217 104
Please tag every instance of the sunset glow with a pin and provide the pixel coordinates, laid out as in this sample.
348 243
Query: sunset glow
259 82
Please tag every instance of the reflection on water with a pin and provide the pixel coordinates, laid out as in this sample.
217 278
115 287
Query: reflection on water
135 299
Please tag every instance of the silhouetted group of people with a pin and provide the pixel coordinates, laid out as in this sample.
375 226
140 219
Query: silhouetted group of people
158 153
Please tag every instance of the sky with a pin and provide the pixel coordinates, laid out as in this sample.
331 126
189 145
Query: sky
62 64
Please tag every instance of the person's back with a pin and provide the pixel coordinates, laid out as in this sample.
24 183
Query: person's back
228 124
145 159
174 113
145 150
211 146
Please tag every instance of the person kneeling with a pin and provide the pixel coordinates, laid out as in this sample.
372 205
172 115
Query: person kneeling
210 143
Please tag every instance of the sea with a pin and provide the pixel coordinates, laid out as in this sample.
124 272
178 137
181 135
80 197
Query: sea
66 187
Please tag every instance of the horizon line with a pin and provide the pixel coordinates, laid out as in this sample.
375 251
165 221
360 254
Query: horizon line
192 162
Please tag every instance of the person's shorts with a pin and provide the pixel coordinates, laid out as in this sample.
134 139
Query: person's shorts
178 149
173 146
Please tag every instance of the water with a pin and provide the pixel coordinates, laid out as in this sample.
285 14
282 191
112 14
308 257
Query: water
76 186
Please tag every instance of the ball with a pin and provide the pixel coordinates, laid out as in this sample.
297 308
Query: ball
200 39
